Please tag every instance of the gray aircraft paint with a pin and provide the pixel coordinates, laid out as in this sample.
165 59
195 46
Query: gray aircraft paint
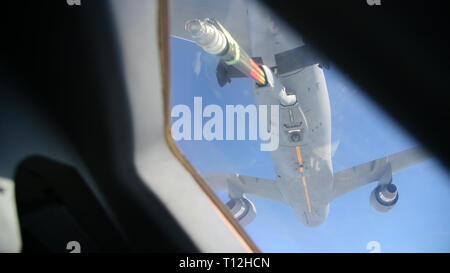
309 85
263 35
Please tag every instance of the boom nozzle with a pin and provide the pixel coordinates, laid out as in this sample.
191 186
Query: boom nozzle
194 27
215 39
207 36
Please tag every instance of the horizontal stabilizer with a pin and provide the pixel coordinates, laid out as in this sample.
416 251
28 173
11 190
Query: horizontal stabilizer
355 177
265 188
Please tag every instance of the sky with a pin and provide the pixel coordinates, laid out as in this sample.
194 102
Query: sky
361 132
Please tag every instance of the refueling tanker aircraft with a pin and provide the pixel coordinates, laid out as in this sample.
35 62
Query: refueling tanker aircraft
287 72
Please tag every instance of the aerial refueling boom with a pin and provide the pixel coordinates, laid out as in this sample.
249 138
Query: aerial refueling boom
215 39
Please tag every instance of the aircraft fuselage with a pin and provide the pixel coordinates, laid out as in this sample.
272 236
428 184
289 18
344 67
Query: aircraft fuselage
304 170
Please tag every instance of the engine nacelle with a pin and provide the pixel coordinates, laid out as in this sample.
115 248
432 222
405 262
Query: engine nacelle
384 197
242 210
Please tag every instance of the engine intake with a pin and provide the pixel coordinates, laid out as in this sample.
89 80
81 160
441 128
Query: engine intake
384 197
242 210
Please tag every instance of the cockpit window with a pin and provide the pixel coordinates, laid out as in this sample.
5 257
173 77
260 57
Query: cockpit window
303 160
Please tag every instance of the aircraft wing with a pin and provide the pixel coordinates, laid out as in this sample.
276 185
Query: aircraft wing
377 170
265 188
230 13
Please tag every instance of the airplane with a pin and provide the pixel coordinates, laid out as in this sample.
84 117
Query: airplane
287 71
87 164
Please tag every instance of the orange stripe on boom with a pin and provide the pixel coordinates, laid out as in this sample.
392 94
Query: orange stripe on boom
257 77
256 67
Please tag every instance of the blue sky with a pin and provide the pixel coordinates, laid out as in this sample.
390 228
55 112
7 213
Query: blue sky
361 131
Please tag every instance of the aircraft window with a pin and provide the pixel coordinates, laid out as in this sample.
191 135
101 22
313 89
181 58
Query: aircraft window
303 160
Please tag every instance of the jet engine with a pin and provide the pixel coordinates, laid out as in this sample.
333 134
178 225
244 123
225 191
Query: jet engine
242 210
384 197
